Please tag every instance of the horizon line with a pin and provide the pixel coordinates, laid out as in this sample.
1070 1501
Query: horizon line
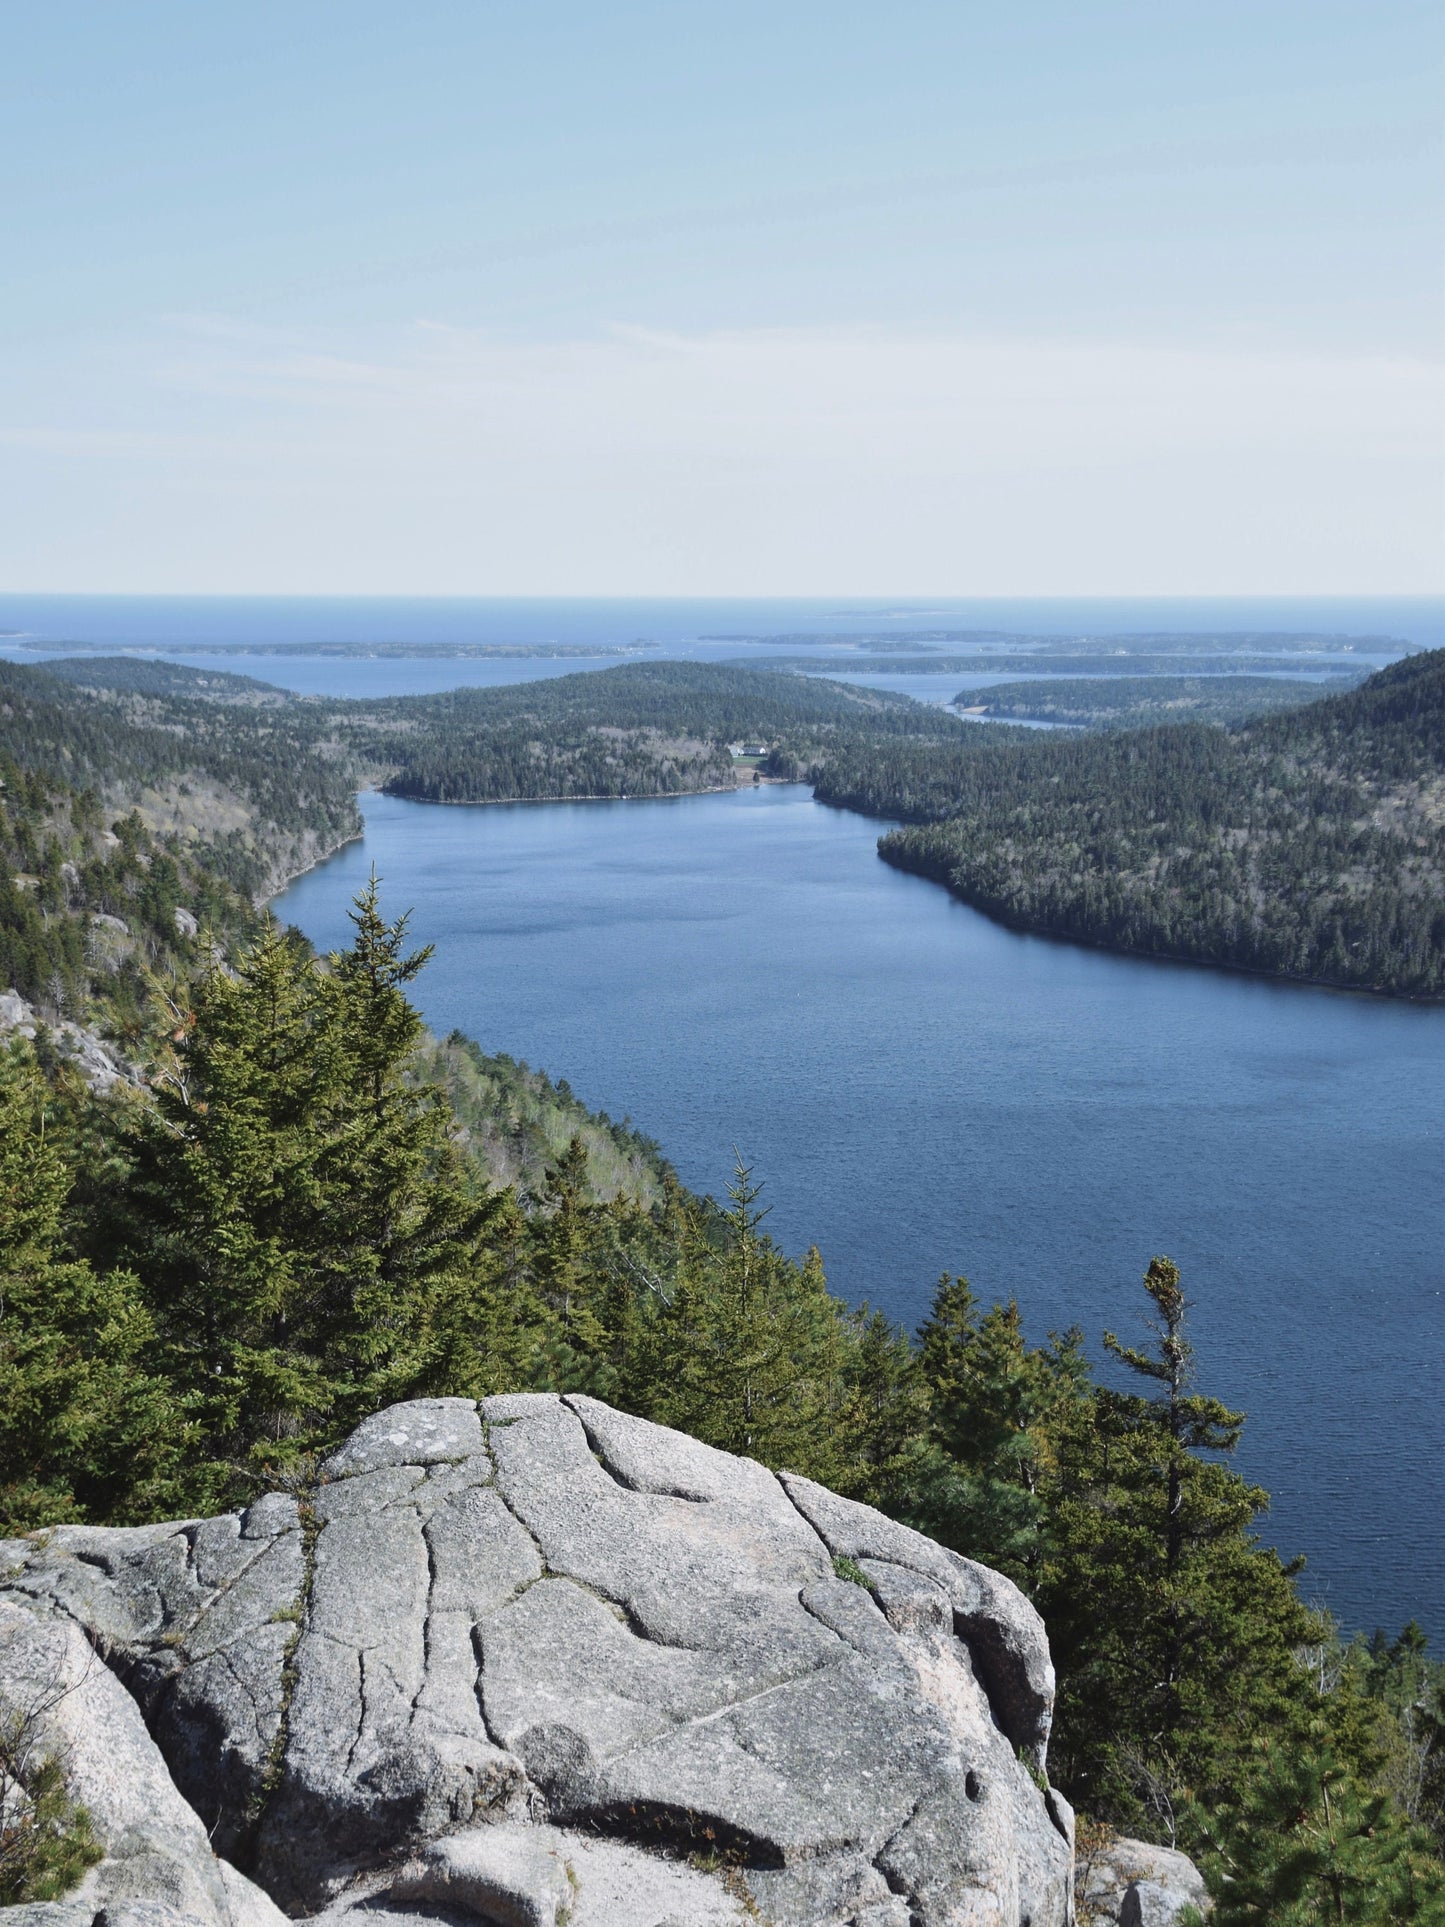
901 598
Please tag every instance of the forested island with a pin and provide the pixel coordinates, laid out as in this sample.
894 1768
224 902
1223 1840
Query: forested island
1017 662
654 729
294 1206
1129 702
362 651
1132 642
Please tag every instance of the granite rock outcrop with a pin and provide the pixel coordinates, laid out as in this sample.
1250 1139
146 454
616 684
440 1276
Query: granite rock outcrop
534 1661
95 1060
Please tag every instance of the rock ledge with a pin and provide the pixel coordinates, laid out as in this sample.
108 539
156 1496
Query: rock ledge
531 1662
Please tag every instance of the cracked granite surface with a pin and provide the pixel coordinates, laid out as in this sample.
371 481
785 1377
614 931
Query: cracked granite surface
510 1662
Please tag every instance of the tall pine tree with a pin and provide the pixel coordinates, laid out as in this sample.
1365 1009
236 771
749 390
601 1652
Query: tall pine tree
994 1407
753 1345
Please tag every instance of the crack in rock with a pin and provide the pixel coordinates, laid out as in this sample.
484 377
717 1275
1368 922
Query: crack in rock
426 1622
608 1461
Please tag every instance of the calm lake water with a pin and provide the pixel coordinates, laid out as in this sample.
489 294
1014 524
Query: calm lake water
922 1090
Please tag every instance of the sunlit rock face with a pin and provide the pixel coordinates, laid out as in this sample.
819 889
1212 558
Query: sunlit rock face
533 1661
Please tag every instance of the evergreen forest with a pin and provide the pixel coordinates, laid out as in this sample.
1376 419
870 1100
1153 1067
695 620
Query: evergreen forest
1307 844
1127 702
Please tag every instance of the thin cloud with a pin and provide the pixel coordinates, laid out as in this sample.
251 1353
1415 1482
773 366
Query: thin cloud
787 460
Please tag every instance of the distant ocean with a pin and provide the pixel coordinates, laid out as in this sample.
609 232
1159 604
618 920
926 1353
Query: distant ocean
136 621
699 630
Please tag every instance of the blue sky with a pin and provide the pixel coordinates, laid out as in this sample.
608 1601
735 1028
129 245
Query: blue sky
1048 298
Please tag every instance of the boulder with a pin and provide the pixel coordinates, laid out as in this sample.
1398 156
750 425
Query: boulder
1137 1885
534 1661
15 1013
1148 1904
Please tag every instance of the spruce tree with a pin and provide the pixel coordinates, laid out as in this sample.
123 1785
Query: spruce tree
754 1344
86 1430
882 1417
398 1237
1174 1630
566 1262
491 1330
225 1203
994 1405
300 1212
1304 1843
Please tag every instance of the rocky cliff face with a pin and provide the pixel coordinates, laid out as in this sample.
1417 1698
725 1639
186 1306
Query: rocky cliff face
96 1061
535 1662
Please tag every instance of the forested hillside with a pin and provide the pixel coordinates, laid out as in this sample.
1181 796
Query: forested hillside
513 1122
89 913
145 676
251 783
653 729
1309 844
1306 844
141 806
643 729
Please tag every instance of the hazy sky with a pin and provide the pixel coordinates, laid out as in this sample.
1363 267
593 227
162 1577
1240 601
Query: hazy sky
1050 297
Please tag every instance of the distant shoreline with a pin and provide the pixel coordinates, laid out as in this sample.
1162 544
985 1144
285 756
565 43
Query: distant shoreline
270 895
654 796
349 651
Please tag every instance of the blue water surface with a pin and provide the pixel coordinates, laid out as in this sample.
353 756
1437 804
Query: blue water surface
924 1091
